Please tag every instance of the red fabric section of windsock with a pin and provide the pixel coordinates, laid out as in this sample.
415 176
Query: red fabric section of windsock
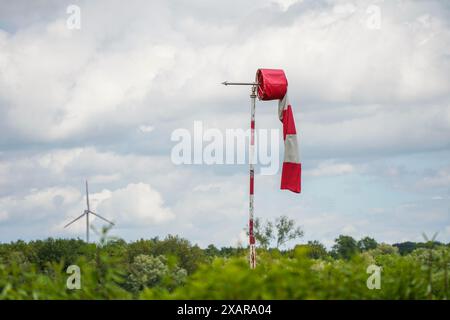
288 122
291 177
272 84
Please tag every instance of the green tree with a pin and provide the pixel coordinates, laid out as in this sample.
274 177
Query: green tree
149 271
138 247
345 247
384 248
212 251
263 232
231 251
281 231
366 244
286 230
316 250
406 247
188 256
298 277
56 250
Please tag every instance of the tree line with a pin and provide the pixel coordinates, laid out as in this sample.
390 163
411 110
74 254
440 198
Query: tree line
174 267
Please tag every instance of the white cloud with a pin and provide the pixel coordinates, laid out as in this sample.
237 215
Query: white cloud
331 168
77 105
3 215
136 205
348 230
39 205
241 240
438 179
213 187
62 166
223 200
285 4
447 231
117 75
146 128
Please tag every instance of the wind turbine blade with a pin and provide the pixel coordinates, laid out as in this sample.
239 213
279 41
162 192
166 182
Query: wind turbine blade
425 237
74 220
95 214
87 195
434 236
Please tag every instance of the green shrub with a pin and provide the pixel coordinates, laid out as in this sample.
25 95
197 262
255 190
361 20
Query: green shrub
300 277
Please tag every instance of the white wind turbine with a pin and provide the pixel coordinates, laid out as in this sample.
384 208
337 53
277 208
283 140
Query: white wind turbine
87 212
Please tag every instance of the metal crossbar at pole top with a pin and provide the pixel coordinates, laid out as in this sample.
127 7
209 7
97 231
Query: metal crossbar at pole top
226 83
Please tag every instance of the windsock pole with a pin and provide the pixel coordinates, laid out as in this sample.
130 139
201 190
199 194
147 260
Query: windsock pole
252 181
251 156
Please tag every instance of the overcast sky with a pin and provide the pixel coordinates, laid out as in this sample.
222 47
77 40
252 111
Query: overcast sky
369 82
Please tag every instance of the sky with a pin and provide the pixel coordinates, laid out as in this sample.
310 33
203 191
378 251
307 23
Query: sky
369 83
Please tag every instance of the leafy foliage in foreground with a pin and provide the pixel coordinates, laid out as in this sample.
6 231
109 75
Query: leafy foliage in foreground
299 277
172 268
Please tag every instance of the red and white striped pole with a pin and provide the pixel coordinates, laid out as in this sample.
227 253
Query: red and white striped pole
251 156
251 239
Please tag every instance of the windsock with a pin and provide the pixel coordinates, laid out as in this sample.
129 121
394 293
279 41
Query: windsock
273 86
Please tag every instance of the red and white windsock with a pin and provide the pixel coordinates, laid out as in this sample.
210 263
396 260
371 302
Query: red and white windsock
273 86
